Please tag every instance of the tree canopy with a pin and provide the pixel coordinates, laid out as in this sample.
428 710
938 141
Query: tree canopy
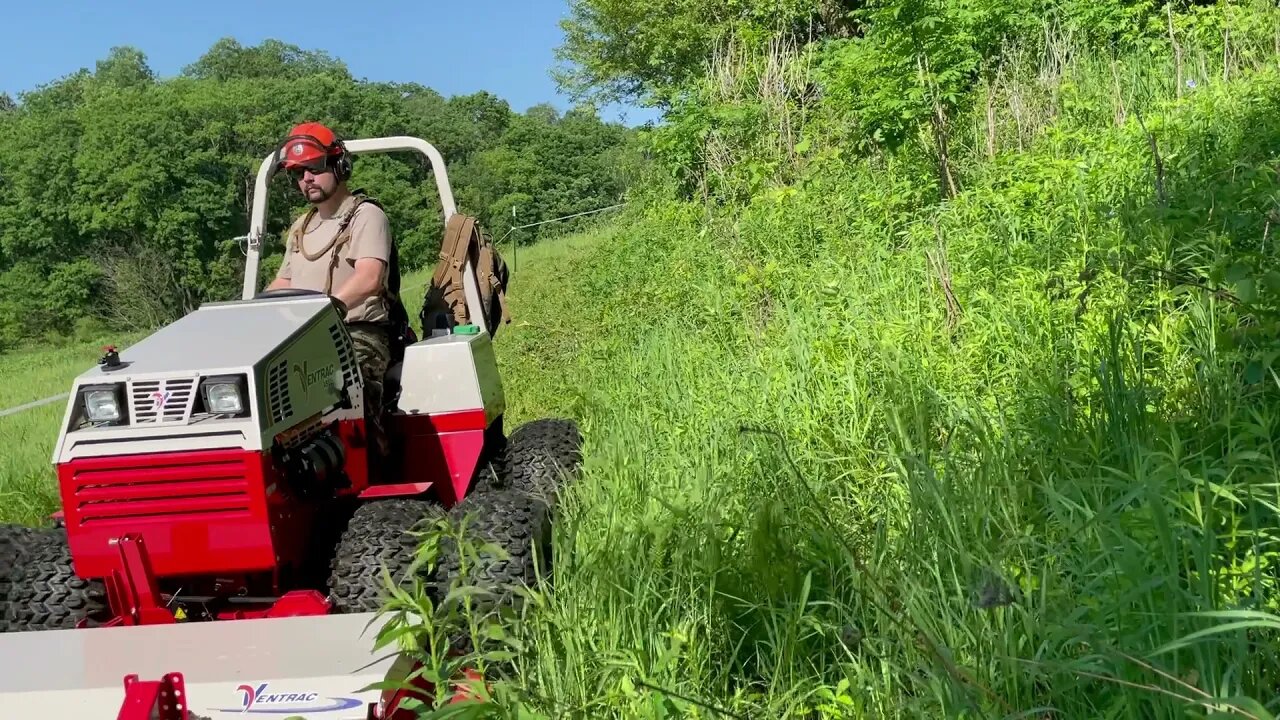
648 49
121 193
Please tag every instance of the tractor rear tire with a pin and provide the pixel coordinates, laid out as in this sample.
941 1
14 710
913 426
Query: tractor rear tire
13 542
542 456
378 535
489 475
518 524
46 593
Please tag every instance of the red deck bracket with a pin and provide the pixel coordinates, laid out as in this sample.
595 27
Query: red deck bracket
163 699
132 589
293 604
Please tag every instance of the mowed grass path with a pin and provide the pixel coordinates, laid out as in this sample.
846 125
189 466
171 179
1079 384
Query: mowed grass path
28 488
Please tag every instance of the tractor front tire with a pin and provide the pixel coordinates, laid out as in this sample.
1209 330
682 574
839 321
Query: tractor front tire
542 456
378 535
518 524
45 592
13 542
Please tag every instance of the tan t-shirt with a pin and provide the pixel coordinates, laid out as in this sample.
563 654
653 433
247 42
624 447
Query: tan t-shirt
370 238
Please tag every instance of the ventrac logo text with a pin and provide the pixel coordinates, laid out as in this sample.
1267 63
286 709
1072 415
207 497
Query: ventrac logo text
262 699
309 377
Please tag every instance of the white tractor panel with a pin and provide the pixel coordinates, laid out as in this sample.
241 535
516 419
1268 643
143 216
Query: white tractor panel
126 441
450 374
306 376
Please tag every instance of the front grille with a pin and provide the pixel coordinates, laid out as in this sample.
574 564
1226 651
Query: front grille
203 484
162 402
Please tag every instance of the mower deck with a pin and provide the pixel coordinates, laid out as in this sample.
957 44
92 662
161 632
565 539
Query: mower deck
306 666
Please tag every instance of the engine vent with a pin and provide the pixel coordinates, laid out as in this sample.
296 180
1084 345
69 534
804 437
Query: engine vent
162 402
278 392
346 355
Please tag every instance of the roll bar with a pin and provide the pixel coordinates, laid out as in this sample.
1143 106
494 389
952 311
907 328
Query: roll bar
258 221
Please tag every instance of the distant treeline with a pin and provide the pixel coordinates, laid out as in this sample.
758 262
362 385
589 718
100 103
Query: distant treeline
120 192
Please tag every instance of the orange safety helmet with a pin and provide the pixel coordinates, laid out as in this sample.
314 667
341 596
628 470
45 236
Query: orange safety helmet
315 147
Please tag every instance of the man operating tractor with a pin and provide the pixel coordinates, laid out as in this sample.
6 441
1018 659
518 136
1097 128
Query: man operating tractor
342 247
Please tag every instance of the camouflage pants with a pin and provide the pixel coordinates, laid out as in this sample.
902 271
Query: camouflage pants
373 354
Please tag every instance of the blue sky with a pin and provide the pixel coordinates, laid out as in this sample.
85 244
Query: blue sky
462 46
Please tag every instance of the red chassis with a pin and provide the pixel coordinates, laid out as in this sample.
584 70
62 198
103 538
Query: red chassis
226 524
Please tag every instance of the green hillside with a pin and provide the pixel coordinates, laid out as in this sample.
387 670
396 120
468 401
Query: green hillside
975 428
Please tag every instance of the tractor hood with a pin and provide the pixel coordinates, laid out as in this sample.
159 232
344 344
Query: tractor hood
283 359
216 337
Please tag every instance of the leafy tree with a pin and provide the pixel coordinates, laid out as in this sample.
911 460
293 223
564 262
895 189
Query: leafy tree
545 166
124 67
120 193
228 60
623 50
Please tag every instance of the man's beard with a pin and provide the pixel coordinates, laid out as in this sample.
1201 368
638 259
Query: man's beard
324 194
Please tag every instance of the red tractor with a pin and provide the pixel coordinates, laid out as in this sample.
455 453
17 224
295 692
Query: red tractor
219 470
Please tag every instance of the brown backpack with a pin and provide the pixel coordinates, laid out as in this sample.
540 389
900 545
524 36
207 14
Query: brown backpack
445 305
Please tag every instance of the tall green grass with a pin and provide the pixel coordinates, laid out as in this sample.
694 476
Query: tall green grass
28 490
853 456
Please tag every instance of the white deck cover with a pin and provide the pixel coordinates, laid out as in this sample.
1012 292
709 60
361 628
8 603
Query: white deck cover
306 666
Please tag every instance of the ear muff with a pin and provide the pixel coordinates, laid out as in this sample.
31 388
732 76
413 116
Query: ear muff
342 163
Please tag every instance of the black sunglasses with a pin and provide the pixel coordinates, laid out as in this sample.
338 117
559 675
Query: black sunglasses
297 173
